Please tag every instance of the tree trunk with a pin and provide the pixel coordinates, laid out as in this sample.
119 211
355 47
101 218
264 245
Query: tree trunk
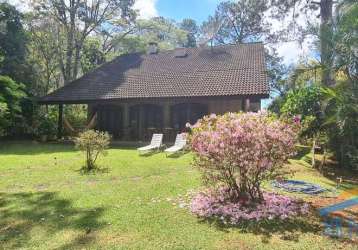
313 163
323 162
326 8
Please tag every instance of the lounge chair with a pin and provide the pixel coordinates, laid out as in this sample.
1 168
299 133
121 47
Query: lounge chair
179 145
155 144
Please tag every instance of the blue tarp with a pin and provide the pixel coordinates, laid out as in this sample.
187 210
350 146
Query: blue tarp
298 186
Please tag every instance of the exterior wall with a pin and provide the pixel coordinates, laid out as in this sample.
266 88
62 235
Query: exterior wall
223 106
214 105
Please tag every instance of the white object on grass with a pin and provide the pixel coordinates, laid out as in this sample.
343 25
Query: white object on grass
155 144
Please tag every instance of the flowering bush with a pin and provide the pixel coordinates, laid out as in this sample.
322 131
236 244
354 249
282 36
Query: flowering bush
273 206
240 150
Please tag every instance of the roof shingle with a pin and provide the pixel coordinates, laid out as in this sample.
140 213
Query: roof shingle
219 71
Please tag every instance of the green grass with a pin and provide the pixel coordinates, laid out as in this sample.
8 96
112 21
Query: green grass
47 203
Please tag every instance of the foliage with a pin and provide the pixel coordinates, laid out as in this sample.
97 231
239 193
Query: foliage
12 43
44 54
92 55
3 114
76 21
163 31
93 143
305 102
216 204
341 111
237 22
76 115
192 29
346 39
11 95
277 72
45 122
241 150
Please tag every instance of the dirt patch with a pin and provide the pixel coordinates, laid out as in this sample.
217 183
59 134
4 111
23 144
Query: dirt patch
117 239
41 187
136 178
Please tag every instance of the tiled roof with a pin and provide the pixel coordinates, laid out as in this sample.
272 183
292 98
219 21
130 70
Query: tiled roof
219 71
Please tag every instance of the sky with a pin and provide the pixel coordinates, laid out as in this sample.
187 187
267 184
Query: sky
199 10
177 9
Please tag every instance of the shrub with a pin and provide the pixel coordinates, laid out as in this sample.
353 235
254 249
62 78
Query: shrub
93 143
241 150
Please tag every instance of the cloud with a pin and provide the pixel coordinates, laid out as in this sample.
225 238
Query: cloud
293 51
146 8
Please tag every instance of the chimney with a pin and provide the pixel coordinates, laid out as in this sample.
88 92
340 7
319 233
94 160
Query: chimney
152 48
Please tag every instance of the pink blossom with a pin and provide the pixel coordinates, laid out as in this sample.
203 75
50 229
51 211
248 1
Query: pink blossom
244 146
216 204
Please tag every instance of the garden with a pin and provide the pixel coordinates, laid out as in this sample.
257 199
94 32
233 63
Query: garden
219 195
283 178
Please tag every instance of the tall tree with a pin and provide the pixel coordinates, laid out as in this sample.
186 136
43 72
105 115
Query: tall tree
292 9
238 22
77 20
190 26
13 42
44 54
165 32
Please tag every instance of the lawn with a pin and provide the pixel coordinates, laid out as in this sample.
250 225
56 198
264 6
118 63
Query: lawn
46 202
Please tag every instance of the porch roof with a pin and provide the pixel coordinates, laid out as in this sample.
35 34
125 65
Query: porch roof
229 70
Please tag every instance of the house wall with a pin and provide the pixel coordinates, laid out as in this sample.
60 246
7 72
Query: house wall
214 105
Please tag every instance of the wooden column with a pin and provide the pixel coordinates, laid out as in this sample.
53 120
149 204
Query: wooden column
126 128
166 115
247 105
60 121
140 123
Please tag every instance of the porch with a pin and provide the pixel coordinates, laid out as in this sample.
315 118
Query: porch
138 120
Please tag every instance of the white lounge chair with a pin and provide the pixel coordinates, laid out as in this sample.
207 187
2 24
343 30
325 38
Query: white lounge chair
179 145
155 144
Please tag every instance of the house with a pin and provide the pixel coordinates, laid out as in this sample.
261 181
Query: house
137 94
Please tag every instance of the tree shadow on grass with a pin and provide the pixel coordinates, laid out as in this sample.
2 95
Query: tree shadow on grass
289 229
34 148
20 213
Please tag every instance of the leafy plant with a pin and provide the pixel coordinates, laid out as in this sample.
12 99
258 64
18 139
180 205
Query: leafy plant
93 143
341 111
241 150
47 126
11 94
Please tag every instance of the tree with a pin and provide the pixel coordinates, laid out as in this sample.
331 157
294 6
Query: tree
44 54
238 22
294 8
163 31
92 54
192 29
341 111
13 42
306 102
76 20
244 21
11 95
346 40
